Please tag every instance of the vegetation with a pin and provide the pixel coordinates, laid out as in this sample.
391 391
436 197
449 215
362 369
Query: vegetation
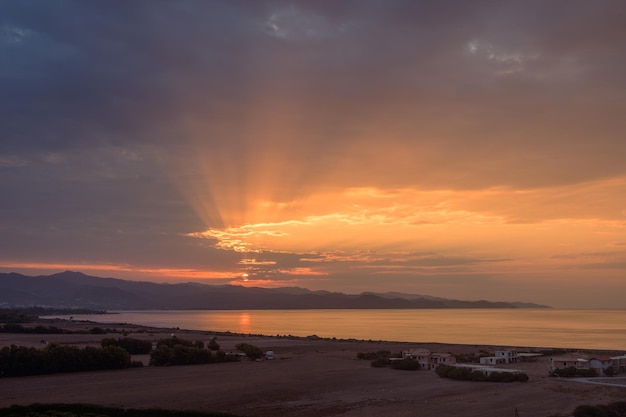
370 356
175 351
175 341
406 364
251 351
380 363
615 409
25 315
131 345
79 410
213 345
573 372
467 374
22 361
18 328
383 358
552 352
472 357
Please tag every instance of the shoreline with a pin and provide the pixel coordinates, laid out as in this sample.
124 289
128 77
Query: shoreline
160 329
309 377
559 329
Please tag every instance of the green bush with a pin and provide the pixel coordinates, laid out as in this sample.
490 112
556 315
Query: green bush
173 341
380 362
615 409
179 355
213 345
251 351
406 364
131 345
22 361
573 372
466 374
370 356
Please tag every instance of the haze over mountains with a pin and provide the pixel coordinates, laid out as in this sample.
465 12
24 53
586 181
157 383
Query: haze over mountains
75 289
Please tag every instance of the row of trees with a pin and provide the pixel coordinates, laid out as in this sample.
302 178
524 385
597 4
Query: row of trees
114 354
18 328
22 361
467 374
131 345
175 351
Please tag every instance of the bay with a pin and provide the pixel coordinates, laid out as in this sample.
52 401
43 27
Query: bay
585 329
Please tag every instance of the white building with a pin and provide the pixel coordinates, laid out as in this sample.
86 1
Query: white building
428 359
502 357
568 362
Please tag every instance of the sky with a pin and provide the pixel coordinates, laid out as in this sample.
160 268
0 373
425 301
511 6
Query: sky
469 150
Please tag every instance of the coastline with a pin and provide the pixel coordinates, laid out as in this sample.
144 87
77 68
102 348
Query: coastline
309 377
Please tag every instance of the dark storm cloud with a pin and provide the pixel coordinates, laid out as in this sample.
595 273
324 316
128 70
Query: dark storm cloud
97 98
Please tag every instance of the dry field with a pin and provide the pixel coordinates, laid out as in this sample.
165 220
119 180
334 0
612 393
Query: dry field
307 378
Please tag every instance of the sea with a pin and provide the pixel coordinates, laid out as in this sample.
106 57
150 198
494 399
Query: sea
542 328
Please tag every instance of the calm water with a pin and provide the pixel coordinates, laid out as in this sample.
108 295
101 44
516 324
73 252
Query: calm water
591 329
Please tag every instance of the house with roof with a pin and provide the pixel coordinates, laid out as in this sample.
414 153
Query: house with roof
601 364
429 360
568 362
619 363
501 357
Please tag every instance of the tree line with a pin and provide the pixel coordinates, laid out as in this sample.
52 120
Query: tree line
467 374
115 354
23 361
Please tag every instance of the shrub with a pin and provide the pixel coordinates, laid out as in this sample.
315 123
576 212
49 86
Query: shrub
251 351
173 341
133 346
380 362
370 356
616 409
179 355
466 374
22 361
406 364
97 330
573 372
213 345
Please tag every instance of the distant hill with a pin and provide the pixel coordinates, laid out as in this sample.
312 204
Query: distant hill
77 290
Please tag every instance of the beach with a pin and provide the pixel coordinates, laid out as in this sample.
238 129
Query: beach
308 377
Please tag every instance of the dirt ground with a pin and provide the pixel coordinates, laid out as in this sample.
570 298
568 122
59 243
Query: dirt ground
307 378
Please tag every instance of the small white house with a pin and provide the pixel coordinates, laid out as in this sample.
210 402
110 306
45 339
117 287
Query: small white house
428 359
619 363
502 357
510 356
492 360
568 362
601 364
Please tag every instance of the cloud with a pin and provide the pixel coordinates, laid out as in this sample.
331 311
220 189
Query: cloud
313 135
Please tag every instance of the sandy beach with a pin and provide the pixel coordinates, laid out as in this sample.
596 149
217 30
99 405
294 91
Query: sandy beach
307 378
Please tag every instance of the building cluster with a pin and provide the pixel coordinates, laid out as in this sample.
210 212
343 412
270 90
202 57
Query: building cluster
503 357
429 360
603 365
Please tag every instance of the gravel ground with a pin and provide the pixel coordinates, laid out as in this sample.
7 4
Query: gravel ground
307 378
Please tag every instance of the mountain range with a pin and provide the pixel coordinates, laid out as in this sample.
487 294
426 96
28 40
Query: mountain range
77 290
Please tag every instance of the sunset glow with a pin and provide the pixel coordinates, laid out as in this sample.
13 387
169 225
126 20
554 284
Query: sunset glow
470 152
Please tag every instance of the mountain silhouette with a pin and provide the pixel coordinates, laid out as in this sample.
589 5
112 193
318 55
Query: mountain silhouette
76 290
